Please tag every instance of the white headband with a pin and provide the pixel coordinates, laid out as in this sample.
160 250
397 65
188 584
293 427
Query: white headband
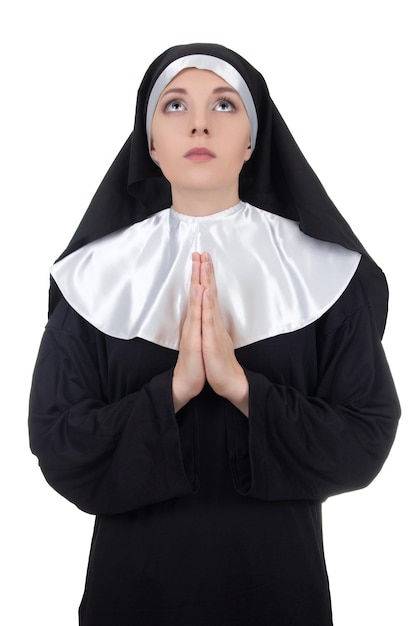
203 62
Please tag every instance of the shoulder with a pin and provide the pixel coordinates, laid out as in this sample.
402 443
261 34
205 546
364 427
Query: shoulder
64 319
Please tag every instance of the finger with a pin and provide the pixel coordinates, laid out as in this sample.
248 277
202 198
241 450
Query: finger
191 330
208 278
208 316
196 290
195 269
195 304
207 301
207 271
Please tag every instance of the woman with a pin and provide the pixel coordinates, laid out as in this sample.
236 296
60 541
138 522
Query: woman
212 368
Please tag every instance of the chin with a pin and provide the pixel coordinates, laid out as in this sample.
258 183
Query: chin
205 179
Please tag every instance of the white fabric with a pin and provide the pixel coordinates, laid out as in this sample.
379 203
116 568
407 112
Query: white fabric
271 277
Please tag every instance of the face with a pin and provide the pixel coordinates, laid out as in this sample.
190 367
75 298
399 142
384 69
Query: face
200 134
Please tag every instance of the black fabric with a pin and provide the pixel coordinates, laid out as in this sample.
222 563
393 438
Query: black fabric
208 517
277 178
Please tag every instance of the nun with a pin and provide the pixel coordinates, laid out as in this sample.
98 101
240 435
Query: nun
212 368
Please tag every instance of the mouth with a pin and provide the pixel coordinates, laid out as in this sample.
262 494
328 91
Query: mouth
199 154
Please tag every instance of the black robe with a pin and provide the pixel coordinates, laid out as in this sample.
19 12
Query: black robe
207 518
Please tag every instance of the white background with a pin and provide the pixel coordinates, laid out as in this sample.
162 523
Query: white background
343 75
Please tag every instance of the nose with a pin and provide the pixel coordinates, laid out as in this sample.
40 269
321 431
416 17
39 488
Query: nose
199 131
199 124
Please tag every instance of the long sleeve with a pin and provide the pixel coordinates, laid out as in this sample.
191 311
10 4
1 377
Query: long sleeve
107 456
335 436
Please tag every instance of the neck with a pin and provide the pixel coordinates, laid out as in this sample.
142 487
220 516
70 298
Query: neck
199 203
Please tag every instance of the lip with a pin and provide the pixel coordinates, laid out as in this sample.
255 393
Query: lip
199 154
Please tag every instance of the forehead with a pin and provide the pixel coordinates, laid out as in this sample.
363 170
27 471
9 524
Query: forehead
194 77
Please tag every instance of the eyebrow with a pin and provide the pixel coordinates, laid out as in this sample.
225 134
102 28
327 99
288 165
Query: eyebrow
217 90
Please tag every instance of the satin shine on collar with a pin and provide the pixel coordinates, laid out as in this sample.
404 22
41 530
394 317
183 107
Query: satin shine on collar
271 277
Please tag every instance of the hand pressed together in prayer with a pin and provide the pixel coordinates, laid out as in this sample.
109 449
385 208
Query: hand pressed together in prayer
206 350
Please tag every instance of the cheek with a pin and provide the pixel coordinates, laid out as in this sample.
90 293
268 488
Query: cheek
243 149
157 134
244 132
159 146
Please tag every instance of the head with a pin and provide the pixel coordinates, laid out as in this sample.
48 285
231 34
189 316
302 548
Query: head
175 64
201 124
200 133
218 66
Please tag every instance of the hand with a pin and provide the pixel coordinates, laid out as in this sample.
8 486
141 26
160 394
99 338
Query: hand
223 372
189 374
206 348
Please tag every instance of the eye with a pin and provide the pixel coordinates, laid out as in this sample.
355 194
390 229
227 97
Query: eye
174 105
224 105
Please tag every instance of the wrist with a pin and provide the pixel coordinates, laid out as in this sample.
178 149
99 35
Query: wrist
179 397
239 393
182 393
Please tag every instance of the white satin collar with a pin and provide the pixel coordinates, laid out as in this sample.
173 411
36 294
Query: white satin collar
271 277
